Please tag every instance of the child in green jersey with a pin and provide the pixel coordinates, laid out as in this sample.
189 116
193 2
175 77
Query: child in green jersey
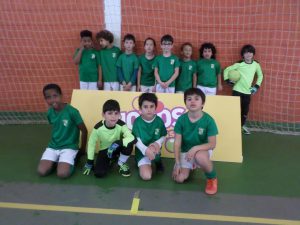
150 132
187 69
115 142
195 139
88 61
145 78
166 66
66 125
209 70
128 65
109 54
244 87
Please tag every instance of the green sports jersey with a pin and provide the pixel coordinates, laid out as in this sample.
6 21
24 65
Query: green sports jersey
147 71
105 136
148 132
208 71
128 63
65 133
88 65
185 78
195 133
108 58
166 67
247 72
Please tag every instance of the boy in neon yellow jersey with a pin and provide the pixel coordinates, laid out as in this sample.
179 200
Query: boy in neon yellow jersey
244 87
115 142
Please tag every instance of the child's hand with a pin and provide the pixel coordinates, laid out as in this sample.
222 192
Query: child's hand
88 167
150 153
81 47
253 90
176 170
99 85
220 87
156 147
190 154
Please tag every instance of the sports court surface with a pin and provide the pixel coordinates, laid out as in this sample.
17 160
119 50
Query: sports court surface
264 189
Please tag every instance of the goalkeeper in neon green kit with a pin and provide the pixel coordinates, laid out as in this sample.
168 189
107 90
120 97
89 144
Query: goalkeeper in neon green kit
244 87
115 142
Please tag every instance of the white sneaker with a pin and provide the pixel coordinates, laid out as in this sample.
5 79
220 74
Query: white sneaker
245 130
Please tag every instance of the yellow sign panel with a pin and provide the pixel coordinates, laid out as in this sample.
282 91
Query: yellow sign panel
224 109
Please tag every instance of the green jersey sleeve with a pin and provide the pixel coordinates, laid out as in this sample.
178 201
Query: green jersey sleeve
259 74
127 136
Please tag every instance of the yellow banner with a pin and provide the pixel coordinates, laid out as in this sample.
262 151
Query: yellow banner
224 109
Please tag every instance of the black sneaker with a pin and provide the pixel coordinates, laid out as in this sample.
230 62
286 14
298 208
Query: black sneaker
159 166
124 170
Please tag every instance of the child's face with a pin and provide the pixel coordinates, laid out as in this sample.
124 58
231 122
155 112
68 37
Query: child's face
187 51
148 110
87 42
149 46
129 45
111 118
194 103
104 43
207 53
166 46
248 56
53 98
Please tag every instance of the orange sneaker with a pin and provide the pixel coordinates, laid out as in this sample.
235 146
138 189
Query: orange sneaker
211 186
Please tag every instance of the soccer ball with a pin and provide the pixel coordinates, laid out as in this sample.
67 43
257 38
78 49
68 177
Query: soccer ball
234 75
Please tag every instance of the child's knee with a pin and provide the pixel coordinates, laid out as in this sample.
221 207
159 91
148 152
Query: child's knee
146 176
63 173
42 172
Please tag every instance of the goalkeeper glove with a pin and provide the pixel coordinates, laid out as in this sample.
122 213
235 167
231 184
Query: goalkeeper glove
112 148
88 167
229 82
254 89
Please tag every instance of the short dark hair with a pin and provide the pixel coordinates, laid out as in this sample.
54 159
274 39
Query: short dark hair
194 91
186 44
150 38
247 48
86 33
52 86
150 97
111 105
106 35
167 37
129 37
208 45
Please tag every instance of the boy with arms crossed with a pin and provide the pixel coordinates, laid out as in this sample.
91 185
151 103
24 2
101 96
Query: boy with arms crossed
243 87
166 66
115 142
88 61
128 65
66 125
195 139
150 132
108 78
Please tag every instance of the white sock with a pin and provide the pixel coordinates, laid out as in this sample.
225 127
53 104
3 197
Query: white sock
122 159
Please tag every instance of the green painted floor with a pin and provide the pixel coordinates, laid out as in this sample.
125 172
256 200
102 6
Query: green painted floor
270 168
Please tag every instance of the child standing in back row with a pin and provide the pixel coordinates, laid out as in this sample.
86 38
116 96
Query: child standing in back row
88 61
146 79
166 66
128 65
209 70
187 69
243 88
109 54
